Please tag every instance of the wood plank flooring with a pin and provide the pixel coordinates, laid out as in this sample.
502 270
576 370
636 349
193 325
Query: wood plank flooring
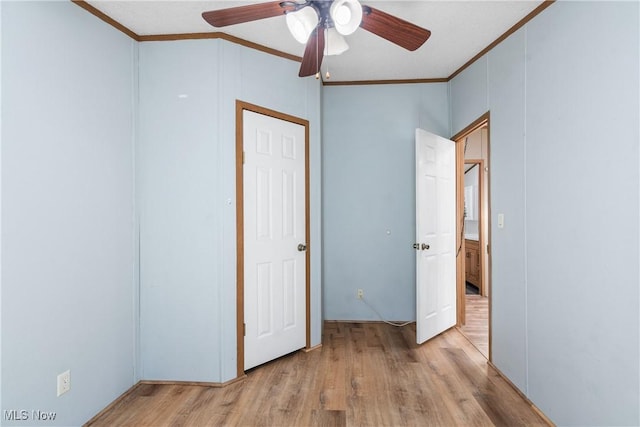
365 374
477 327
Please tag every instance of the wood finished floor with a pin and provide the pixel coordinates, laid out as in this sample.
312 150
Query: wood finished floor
366 374
476 328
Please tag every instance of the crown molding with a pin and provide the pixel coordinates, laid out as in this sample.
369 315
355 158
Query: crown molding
99 14
384 82
224 36
186 36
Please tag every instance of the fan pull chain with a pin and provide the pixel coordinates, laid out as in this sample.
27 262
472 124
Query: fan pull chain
326 43
318 72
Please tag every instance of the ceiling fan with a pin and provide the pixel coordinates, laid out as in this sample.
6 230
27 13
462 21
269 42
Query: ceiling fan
321 24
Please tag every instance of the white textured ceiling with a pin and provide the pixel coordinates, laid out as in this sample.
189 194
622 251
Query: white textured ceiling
459 30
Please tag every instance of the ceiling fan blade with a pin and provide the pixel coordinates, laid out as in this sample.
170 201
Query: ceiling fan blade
252 12
313 53
394 29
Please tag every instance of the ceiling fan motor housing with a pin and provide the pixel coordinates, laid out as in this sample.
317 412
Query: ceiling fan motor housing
333 17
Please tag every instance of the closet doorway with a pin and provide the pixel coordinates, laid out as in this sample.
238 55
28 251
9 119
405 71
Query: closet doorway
474 276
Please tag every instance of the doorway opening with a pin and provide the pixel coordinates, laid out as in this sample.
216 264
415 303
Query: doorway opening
473 225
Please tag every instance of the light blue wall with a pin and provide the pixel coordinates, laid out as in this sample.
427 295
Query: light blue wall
186 176
507 176
468 94
177 163
1 133
564 154
67 211
369 194
582 109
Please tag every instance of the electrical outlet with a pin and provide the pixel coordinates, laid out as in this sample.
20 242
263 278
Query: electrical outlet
64 382
360 294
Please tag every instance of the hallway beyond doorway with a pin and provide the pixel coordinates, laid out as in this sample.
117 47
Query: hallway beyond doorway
476 329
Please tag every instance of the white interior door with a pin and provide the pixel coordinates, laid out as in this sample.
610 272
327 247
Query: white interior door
435 235
274 238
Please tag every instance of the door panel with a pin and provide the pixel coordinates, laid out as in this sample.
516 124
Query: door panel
274 226
265 296
263 210
435 235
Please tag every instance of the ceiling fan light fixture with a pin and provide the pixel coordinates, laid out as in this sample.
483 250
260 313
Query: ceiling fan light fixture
335 43
301 23
346 15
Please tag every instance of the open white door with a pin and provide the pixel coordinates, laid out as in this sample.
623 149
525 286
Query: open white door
435 235
274 238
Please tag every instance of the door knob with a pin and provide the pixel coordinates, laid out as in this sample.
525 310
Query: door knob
302 247
425 247
416 246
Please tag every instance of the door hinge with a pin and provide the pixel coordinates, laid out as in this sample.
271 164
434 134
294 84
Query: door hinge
243 158
244 329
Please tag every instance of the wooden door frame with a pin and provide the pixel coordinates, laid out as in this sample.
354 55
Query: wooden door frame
242 106
458 138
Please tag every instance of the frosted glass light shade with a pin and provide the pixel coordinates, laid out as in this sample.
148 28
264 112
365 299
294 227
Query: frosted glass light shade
301 23
335 43
346 15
